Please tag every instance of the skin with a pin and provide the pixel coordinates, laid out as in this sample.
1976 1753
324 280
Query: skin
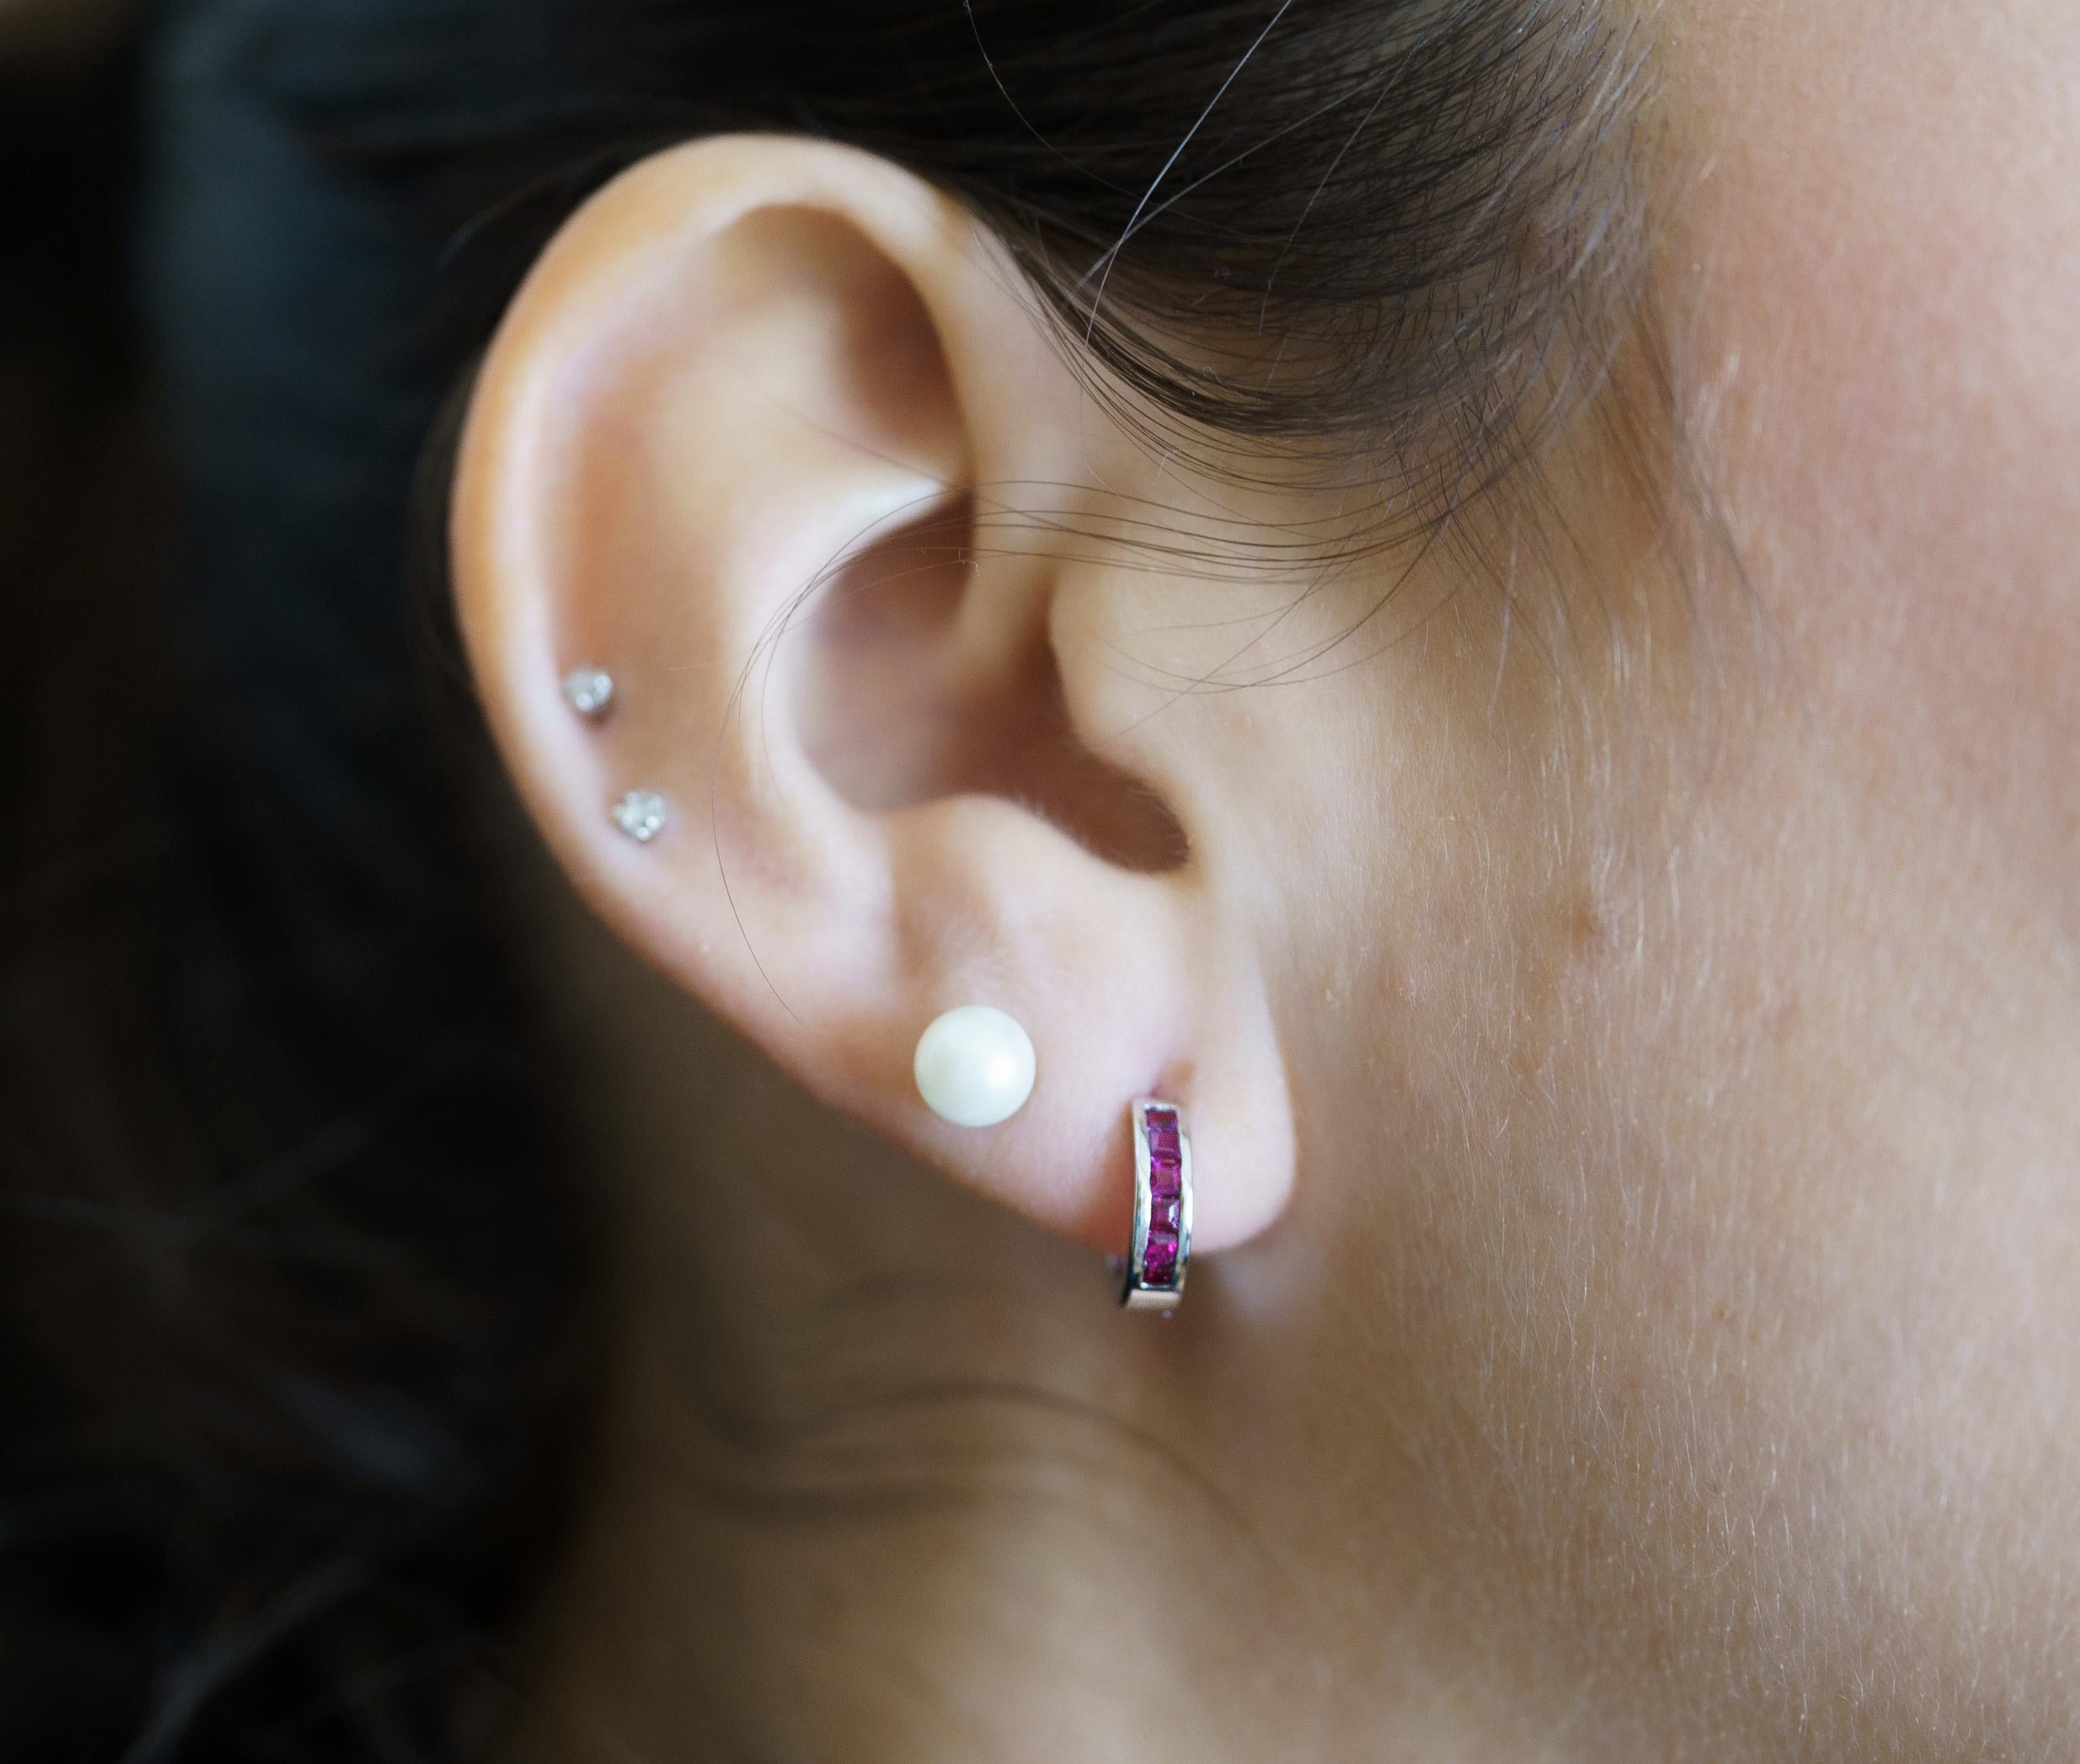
1629 1042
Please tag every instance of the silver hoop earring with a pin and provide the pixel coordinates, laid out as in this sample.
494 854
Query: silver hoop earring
1161 1247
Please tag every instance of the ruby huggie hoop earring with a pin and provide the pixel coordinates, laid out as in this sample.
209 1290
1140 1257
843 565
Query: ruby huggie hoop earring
1161 1247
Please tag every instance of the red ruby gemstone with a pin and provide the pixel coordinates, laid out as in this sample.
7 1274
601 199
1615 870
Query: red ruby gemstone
1159 1265
1165 1179
1166 1214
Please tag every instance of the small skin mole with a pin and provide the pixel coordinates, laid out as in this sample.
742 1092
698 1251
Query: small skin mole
1594 933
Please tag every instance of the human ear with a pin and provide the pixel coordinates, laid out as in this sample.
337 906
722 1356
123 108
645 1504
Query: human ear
750 442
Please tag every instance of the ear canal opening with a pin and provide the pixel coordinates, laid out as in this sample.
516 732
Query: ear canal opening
899 706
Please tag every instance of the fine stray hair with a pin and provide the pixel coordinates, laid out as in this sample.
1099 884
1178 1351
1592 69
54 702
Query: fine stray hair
272 1088
1363 230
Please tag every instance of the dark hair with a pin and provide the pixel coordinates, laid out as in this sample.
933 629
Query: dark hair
297 1323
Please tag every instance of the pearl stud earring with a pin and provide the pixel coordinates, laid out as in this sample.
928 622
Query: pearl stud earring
975 1066
589 692
642 815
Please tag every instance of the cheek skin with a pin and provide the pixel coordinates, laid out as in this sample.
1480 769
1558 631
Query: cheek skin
1844 1197
1875 282
1711 1225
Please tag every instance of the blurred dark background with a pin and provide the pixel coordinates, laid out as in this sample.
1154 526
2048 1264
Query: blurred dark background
293 1276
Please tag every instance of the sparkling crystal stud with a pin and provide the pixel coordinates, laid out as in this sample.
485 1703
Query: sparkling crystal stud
642 816
1161 1246
589 693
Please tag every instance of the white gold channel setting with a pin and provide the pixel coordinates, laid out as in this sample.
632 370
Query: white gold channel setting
1160 1252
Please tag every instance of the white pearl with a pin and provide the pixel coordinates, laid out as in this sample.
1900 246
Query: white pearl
975 1066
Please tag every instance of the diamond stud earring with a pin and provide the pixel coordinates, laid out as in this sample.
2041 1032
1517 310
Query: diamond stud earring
975 1066
642 815
1161 1243
589 692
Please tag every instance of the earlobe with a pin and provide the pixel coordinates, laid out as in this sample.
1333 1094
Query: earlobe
796 734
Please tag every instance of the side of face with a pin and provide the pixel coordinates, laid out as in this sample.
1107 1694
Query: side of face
1723 1023
1624 982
